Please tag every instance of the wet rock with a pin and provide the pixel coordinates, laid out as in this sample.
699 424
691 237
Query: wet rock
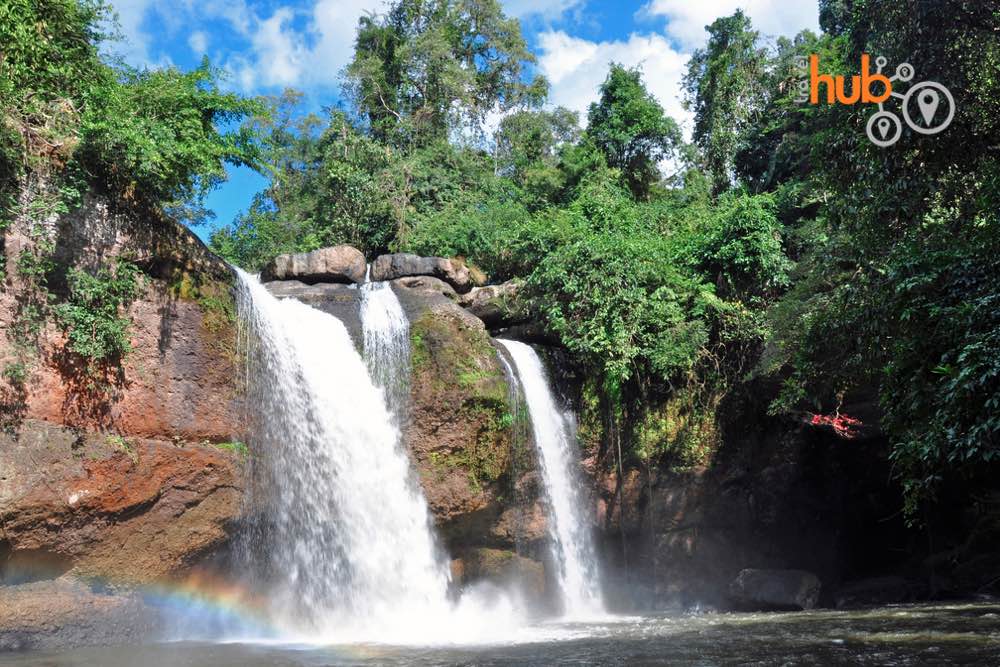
495 305
503 568
401 265
457 432
775 589
341 301
529 332
338 264
66 614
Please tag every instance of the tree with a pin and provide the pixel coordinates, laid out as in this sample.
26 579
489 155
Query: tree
723 88
430 67
528 145
834 16
629 127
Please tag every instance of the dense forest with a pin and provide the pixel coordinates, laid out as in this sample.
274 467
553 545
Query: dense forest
779 243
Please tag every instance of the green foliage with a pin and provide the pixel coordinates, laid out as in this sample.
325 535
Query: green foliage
336 184
619 302
15 373
895 289
497 235
155 134
528 148
151 135
741 249
629 127
92 315
941 391
235 447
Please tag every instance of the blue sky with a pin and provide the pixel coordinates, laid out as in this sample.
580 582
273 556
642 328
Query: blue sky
267 45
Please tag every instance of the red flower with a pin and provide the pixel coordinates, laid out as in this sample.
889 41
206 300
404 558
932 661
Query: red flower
843 425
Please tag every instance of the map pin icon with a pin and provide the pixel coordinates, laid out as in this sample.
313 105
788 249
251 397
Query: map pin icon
928 102
883 127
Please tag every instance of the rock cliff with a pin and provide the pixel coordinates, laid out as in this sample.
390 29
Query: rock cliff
126 470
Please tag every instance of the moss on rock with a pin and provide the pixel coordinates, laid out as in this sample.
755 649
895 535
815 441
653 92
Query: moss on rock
461 428
456 363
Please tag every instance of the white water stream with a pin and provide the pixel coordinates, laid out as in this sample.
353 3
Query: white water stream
387 345
570 534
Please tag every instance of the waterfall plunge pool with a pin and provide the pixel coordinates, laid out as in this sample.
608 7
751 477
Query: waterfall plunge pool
960 633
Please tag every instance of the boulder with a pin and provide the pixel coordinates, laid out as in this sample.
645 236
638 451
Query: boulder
62 614
426 285
495 305
775 589
401 265
339 264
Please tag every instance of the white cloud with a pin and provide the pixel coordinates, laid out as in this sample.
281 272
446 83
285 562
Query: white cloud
686 19
198 41
302 47
576 67
334 24
293 44
131 15
278 52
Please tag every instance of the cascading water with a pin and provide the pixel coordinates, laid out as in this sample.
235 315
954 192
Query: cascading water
387 344
344 546
572 544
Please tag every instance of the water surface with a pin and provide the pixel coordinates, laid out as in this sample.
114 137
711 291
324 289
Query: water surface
931 634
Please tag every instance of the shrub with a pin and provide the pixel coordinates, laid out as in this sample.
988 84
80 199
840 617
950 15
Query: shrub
92 315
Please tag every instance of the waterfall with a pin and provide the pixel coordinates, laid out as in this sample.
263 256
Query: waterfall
387 344
342 542
572 544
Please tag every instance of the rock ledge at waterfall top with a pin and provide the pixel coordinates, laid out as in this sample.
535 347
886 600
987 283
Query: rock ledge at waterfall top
337 264
402 265
496 305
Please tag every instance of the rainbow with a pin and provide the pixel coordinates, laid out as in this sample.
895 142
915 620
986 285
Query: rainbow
209 606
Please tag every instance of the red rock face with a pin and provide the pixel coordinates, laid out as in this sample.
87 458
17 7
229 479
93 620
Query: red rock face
83 504
180 382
